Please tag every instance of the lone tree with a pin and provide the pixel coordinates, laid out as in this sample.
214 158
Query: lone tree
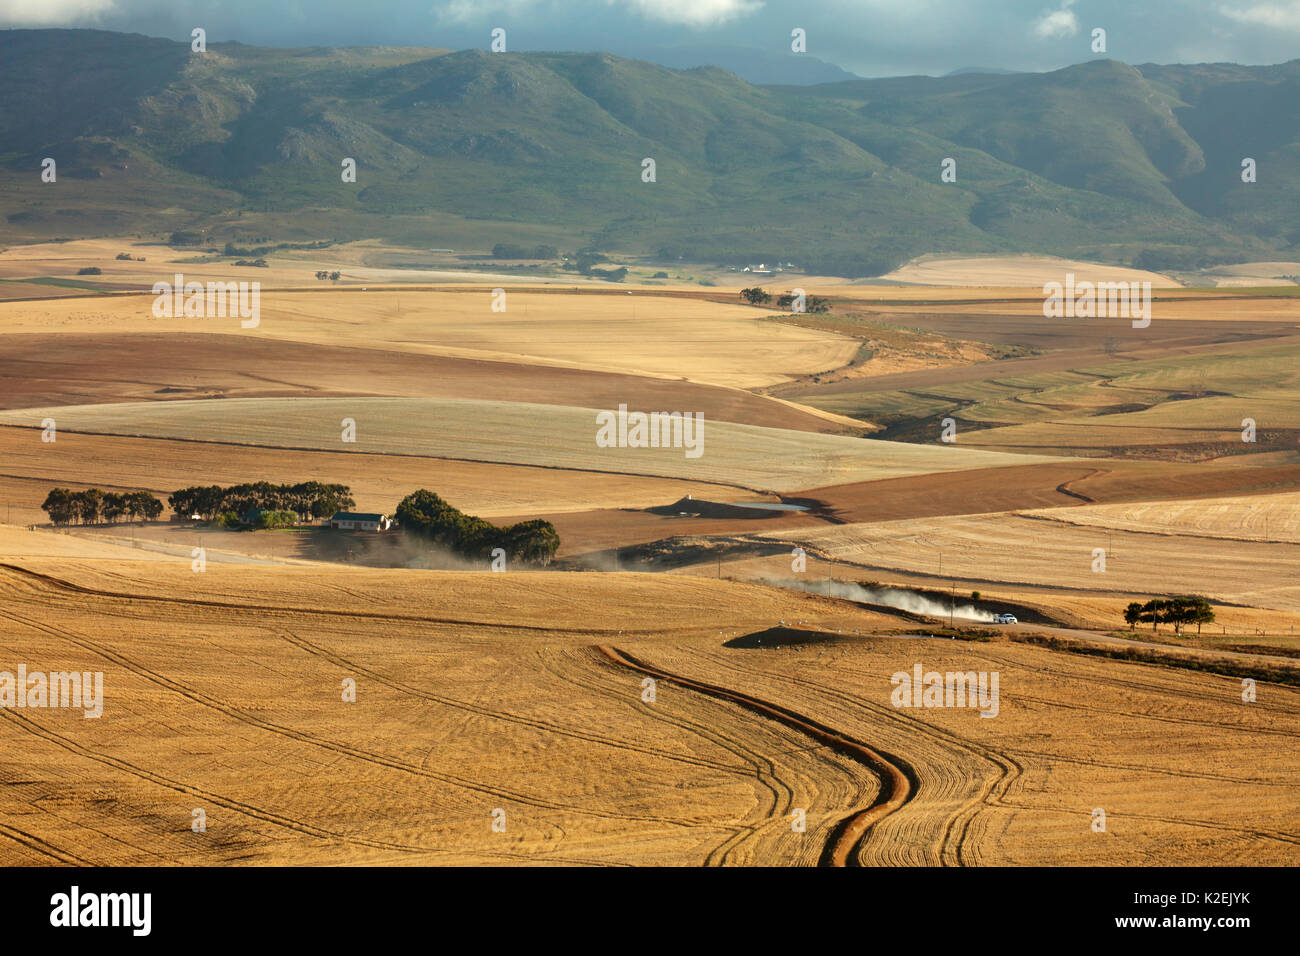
756 296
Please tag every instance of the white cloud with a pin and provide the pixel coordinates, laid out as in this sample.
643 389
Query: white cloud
1282 16
30 13
1056 24
692 13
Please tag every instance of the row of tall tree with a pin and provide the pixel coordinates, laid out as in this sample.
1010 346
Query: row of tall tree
426 514
1178 611
306 499
93 506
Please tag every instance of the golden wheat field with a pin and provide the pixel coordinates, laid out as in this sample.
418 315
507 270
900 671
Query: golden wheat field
1043 549
1273 517
663 337
520 433
522 699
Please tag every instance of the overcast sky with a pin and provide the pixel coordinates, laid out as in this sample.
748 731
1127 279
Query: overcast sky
869 37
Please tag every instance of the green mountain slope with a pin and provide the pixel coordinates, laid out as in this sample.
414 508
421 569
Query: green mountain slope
1121 163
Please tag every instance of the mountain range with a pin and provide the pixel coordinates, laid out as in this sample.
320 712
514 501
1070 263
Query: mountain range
1139 165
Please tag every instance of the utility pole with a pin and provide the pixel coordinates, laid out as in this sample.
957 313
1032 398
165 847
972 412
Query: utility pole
952 603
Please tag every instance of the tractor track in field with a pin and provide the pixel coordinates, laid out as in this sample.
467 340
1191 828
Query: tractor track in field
1011 769
37 845
955 846
288 733
480 710
780 794
897 779
285 610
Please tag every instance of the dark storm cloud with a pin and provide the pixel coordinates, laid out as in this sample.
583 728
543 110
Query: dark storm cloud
870 37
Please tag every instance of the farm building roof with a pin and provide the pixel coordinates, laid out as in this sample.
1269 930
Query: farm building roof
357 516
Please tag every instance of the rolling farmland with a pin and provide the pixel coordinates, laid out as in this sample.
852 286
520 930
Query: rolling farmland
492 694
516 433
524 693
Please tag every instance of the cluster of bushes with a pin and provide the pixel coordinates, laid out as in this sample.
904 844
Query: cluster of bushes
268 247
307 498
585 263
426 514
92 506
275 519
127 257
513 250
812 303
332 276
1175 257
1176 611
609 275
258 263
90 271
265 520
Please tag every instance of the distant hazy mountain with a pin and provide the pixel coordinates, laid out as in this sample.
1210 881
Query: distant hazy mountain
1136 165
979 69
759 67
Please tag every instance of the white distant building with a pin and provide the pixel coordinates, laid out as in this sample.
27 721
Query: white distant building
359 521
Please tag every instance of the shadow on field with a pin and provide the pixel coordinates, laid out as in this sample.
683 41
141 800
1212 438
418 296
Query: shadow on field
782 637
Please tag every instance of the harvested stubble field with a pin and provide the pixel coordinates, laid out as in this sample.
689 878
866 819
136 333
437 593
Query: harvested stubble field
479 692
1080 614
1013 271
1035 549
515 433
1246 518
162 367
669 337
378 481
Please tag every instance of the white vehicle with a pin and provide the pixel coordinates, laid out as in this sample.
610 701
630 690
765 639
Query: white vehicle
1006 619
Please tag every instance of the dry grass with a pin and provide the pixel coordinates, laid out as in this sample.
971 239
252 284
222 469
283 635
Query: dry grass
518 433
481 691
1245 518
676 338
1014 271
1012 549
378 482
